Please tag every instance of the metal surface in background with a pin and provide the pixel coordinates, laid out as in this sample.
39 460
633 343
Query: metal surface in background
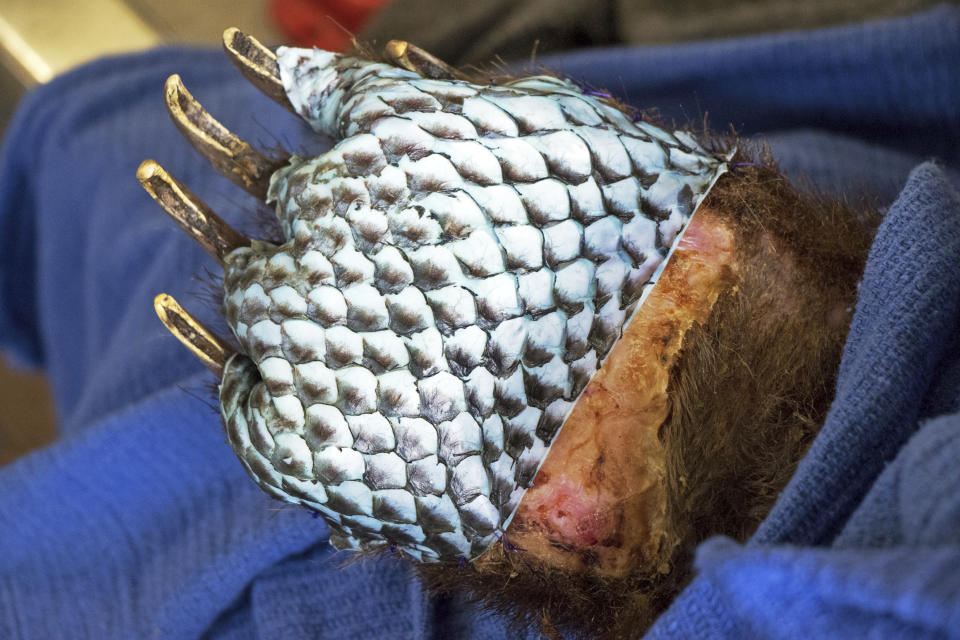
39 40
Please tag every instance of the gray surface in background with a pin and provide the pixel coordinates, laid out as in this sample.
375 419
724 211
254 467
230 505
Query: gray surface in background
477 32
202 23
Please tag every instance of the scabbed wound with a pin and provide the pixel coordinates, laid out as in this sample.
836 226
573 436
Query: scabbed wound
455 271
600 502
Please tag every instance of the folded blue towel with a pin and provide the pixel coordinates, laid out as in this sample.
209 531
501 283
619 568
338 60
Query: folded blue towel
865 540
139 522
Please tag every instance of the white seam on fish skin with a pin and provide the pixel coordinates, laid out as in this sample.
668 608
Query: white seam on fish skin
320 85
655 278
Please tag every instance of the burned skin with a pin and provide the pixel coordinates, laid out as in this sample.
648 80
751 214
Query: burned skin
592 508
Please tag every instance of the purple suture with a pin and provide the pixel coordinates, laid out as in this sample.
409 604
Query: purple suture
506 543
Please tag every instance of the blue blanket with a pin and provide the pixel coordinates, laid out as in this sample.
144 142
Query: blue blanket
139 523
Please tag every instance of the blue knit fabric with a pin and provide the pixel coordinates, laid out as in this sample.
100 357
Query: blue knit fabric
859 546
139 522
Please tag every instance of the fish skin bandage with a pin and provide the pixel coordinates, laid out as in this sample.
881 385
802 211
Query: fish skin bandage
455 271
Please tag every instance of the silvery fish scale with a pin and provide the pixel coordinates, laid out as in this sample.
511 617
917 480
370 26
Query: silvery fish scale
455 271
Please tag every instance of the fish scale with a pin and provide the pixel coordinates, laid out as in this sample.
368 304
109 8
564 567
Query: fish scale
454 273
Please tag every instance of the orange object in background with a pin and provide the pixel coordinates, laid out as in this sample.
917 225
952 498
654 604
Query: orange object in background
327 24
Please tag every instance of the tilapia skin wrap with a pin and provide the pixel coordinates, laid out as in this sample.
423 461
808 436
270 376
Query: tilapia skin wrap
455 270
